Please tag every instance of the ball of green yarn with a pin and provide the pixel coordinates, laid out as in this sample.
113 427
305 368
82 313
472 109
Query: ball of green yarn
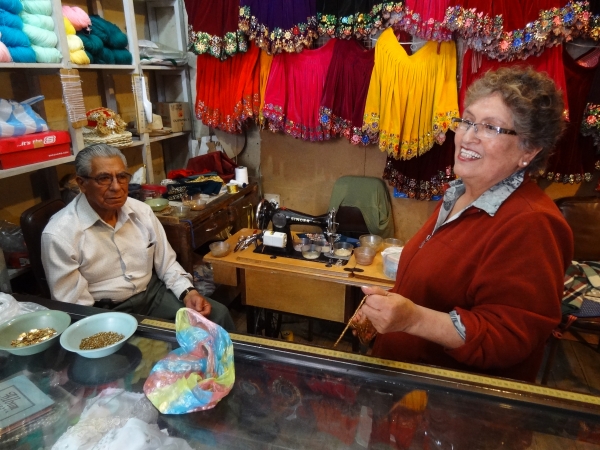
39 36
122 56
106 57
43 7
37 20
91 43
46 55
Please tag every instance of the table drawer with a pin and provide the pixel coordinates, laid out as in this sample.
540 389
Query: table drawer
207 229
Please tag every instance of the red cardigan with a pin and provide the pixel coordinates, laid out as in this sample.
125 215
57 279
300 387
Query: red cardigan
502 274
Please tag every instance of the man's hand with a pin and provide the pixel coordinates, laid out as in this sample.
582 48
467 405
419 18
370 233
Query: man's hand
194 300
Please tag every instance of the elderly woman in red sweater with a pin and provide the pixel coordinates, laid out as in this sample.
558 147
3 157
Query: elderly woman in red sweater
479 286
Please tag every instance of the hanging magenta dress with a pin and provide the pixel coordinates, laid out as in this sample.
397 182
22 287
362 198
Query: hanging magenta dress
294 92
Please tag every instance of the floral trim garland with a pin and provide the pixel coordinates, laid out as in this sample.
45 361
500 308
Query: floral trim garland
568 178
407 149
359 25
338 127
418 189
277 40
220 47
554 26
423 28
590 125
277 121
246 108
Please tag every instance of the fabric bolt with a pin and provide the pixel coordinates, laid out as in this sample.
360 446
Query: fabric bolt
425 177
508 309
294 92
411 99
279 25
213 28
76 240
575 156
227 92
345 91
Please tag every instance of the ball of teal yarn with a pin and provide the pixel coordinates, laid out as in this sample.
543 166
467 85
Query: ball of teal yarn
39 36
22 54
13 37
91 43
37 20
46 55
122 56
11 20
90 56
106 57
99 28
12 6
43 7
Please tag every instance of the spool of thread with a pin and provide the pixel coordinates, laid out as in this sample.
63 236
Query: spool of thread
232 188
287 335
241 175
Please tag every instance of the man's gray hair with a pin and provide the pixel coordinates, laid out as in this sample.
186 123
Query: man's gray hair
83 160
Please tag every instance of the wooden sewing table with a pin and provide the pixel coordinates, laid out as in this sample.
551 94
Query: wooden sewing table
296 286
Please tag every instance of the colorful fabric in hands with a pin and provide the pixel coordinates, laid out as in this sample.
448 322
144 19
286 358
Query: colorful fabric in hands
411 99
213 28
227 92
279 25
345 91
294 92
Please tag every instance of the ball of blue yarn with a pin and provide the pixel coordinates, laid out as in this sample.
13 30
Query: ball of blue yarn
13 37
22 54
12 6
91 43
122 56
9 19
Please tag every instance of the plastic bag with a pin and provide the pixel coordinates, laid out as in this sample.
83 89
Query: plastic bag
197 375
11 237
18 118
10 308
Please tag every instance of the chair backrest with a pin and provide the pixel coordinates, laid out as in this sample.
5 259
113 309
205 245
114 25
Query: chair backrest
351 222
33 222
583 216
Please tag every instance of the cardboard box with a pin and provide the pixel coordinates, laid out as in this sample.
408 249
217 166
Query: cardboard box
175 116
33 148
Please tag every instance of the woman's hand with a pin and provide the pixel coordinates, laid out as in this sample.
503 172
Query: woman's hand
194 300
388 312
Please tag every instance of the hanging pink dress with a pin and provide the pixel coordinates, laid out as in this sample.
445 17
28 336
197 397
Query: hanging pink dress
294 92
345 91
424 19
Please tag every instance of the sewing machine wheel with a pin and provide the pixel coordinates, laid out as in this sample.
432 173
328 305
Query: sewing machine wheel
264 212
331 223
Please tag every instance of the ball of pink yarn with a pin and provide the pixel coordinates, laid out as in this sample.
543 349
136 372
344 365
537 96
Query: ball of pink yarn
4 53
77 16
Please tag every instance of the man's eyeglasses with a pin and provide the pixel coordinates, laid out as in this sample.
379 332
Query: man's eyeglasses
106 179
482 129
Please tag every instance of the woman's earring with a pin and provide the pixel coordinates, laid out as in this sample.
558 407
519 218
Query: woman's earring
524 163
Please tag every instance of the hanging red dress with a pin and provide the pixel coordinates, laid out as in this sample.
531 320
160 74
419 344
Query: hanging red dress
213 28
424 19
294 92
228 92
345 91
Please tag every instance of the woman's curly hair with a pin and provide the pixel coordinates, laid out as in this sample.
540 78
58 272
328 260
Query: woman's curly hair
535 102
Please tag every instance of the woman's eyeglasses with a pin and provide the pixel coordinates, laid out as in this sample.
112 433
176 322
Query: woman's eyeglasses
106 179
482 129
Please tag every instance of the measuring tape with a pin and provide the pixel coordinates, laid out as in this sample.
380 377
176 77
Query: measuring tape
415 368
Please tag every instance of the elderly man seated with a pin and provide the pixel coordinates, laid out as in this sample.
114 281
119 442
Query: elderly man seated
108 250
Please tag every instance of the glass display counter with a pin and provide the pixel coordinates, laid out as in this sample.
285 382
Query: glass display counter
293 396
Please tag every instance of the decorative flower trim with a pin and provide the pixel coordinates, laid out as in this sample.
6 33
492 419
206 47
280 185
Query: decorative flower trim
590 125
425 190
277 122
278 40
220 47
554 26
338 127
421 27
359 25
568 178
390 142
234 123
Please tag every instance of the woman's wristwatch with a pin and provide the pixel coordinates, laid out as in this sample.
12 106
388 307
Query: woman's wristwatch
186 292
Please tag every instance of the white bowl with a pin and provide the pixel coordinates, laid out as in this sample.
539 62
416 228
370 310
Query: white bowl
21 324
118 322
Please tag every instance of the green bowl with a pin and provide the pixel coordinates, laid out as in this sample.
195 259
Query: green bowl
157 204
21 324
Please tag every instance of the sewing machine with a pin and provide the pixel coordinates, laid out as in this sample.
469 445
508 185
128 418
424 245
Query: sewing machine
283 218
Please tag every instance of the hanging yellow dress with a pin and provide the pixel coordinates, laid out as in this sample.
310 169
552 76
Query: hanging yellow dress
411 99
